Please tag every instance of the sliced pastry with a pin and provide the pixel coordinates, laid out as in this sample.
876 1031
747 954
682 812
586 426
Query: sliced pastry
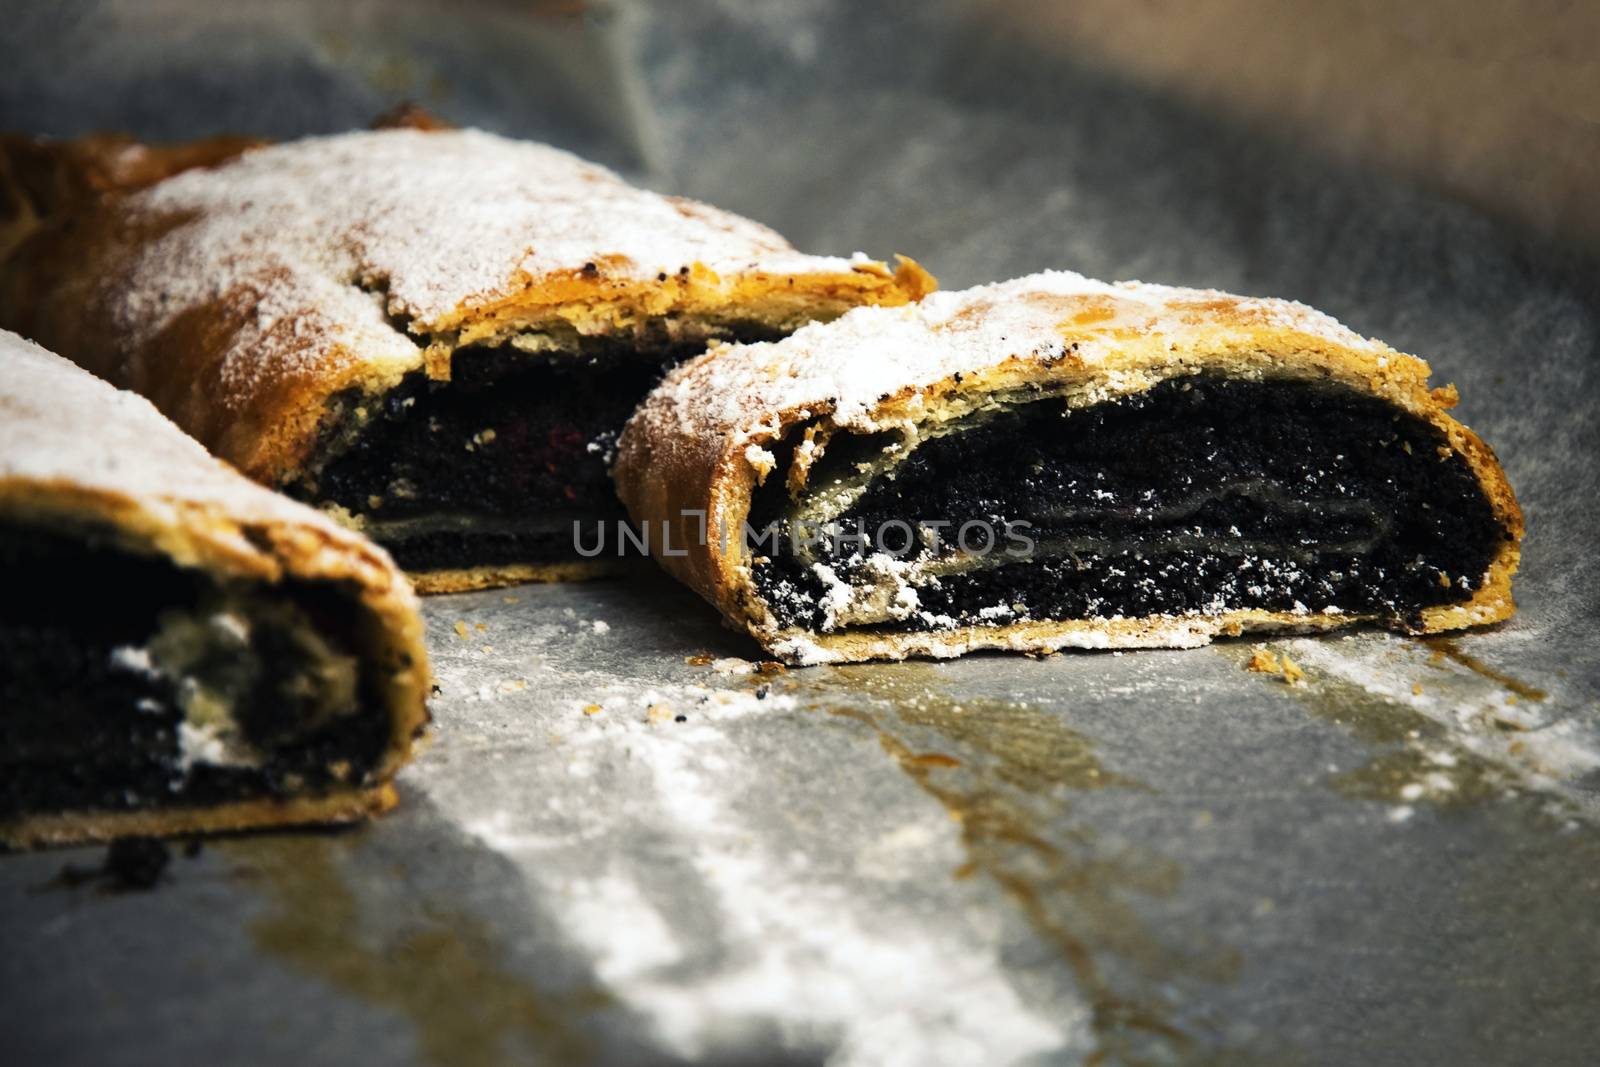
1058 462
433 334
180 649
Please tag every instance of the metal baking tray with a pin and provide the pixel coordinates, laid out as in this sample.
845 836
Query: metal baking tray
628 842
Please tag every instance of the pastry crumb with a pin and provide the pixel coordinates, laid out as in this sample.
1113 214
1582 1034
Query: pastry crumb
658 713
1264 662
699 659
463 631
592 709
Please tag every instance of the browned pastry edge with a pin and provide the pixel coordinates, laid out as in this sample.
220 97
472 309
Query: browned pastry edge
410 115
675 465
266 549
492 576
43 179
71 828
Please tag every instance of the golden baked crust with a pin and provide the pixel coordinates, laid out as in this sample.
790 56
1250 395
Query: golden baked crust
74 451
241 297
40 180
468 578
698 447
70 828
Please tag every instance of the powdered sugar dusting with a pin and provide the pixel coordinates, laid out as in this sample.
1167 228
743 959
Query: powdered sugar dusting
1537 746
872 354
60 425
316 243
686 792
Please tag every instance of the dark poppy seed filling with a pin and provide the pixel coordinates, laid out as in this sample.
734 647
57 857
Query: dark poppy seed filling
495 465
130 683
1202 495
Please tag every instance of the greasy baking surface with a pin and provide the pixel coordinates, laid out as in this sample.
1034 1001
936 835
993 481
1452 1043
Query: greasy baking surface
706 437
74 449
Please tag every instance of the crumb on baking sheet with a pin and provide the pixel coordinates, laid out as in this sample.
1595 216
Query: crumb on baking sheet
130 863
1264 662
463 631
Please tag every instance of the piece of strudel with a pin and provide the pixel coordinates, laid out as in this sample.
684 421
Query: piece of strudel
434 335
180 649
1056 462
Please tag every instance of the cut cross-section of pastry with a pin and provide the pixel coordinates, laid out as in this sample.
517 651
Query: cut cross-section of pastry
180 649
435 335
1056 462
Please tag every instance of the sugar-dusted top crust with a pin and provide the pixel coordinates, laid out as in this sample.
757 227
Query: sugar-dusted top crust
61 426
855 366
75 450
700 442
239 296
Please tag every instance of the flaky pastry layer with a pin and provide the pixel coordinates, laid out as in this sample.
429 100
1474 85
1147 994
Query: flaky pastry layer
74 452
693 455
